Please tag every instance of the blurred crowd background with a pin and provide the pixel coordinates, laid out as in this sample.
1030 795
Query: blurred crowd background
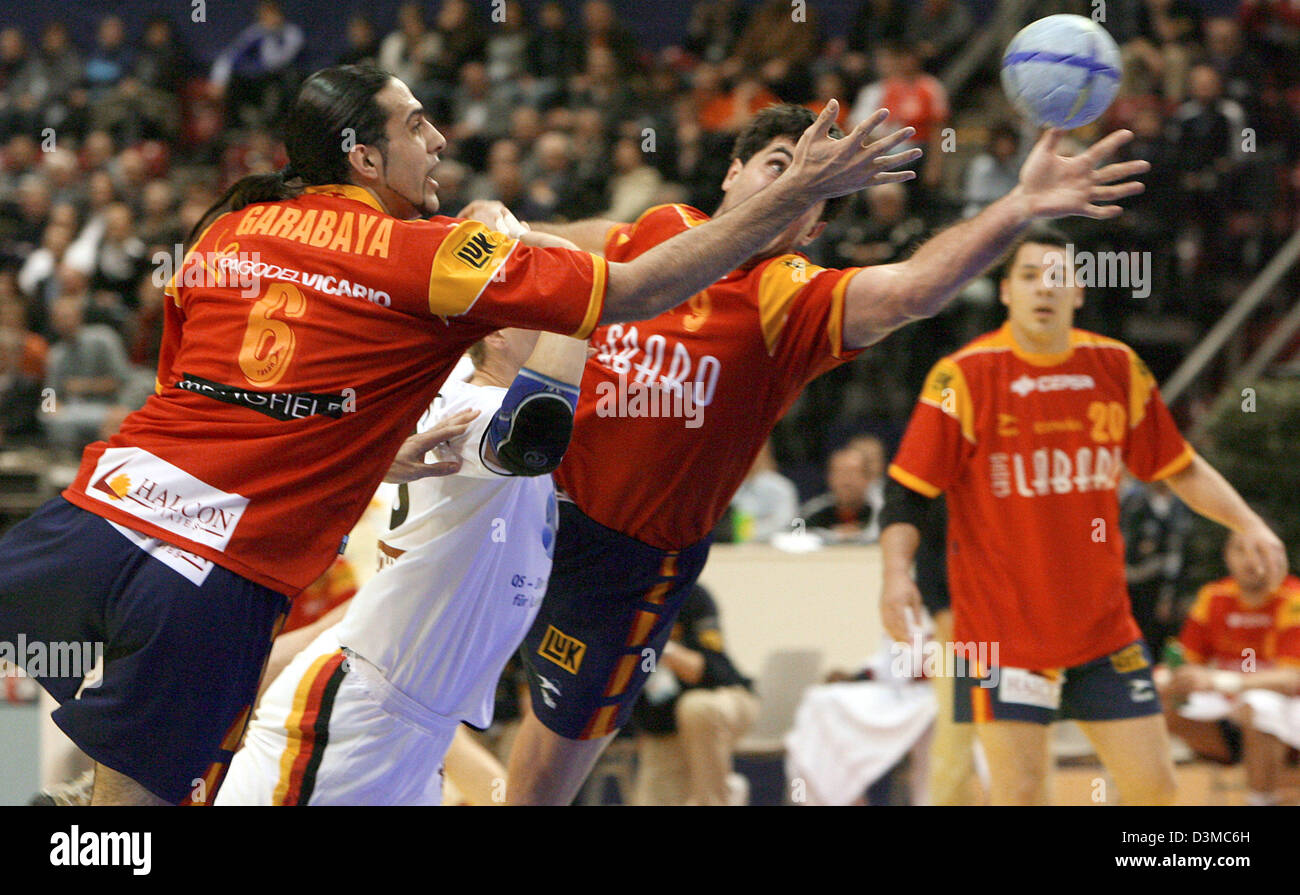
118 129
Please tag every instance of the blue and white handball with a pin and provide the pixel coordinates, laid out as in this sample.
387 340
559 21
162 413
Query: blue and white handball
1062 71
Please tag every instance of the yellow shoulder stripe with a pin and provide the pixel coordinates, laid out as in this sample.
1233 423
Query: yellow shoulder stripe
916 483
946 389
466 261
781 281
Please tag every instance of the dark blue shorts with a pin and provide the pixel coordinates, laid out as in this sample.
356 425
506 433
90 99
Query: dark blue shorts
608 611
1112 688
181 662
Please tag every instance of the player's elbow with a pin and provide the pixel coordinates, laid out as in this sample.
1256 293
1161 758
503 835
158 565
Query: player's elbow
531 431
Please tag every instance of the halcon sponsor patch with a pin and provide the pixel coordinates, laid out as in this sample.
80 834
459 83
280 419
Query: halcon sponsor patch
153 490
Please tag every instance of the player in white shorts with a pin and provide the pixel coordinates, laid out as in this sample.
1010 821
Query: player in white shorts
365 714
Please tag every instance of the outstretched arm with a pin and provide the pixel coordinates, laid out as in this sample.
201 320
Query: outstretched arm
1202 488
881 299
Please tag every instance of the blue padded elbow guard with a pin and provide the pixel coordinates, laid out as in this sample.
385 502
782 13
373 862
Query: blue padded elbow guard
531 430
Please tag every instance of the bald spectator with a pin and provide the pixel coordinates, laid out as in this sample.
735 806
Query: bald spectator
848 513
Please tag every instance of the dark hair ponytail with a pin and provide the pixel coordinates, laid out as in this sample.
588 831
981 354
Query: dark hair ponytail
331 102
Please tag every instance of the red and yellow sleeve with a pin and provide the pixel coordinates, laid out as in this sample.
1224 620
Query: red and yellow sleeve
625 241
1288 626
940 434
469 269
1155 449
801 314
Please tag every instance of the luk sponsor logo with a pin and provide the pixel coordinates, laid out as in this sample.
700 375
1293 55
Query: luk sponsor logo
563 650
103 849
478 250
153 490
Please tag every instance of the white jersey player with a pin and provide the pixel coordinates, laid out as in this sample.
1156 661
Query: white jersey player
365 714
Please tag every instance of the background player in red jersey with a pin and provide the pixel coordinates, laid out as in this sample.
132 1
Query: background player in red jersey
276 413
1025 430
1240 639
645 490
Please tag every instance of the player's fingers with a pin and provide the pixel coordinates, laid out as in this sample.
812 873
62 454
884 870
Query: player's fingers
889 141
822 126
858 135
1118 191
1107 145
887 162
892 177
1101 212
1121 171
1051 138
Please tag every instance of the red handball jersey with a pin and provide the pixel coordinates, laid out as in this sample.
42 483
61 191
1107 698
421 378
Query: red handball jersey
675 409
1029 449
1221 627
302 341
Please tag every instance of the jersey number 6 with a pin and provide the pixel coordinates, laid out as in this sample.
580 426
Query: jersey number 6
268 342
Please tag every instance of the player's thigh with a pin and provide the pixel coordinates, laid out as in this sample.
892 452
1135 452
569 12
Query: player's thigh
1019 761
1136 753
609 609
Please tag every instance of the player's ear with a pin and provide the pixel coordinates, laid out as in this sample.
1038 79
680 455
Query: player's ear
1004 290
365 161
732 173
812 233
1078 297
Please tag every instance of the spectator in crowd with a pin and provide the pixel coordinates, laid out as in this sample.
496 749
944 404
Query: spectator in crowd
635 185
878 229
937 28
37 278
462 39
876 23
601 86
1276 27
22 365
694 710
828 86
87 367
410 51
1238 66
164 63
1155 524
119 258
849 512
554 53
363 43
765 504
601 28
914 98
111 59
713 28
992 174
1156 62
778 45
257 73
506 51
1241 658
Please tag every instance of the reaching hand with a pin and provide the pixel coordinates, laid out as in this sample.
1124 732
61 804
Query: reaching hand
826 167
409 464
900 607
1057 186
